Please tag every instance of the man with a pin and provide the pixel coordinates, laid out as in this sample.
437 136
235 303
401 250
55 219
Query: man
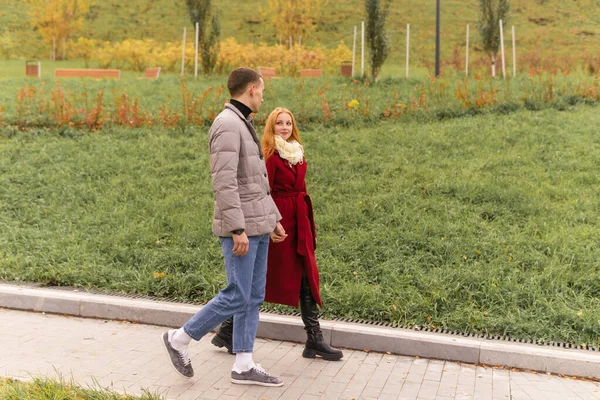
245 217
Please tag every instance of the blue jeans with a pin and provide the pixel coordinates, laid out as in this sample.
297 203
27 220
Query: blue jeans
245 292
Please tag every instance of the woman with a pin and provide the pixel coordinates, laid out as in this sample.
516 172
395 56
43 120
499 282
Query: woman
292 274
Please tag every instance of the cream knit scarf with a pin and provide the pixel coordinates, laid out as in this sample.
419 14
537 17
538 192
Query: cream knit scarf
291 151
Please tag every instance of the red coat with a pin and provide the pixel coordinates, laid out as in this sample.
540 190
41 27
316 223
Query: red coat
287 259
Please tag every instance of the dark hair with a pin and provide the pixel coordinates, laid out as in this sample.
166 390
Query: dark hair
240 78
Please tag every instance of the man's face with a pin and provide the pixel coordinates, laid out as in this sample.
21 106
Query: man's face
257 92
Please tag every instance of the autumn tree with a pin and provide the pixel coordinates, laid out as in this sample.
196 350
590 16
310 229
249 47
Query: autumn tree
294 18
490 14
210 49
376 34
8 46
208 43
58 19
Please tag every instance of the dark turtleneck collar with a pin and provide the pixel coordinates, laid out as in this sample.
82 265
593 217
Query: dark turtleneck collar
244 109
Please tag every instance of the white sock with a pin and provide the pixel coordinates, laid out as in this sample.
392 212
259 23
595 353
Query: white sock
179 339
243 362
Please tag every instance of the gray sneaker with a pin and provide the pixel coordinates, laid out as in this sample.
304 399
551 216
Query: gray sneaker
180 360
255 376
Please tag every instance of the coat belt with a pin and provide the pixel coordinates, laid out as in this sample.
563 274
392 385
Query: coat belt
304 206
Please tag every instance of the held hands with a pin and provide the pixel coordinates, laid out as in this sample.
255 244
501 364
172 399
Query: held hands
278 235
240 244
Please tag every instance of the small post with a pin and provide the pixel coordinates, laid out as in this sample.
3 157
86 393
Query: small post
362 49
300 41
467 54
407 47
353 50
514 49
196 52
291 43
437 38
53 48
64 51
183 53
502 50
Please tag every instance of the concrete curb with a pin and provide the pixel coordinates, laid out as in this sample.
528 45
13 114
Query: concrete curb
572 362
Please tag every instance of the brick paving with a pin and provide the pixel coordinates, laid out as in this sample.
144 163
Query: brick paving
128 357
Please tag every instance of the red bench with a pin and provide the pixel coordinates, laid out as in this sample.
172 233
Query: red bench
267 72
152 73
87 73
310 73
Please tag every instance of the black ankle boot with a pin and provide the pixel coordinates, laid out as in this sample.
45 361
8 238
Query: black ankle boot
224 335
315 345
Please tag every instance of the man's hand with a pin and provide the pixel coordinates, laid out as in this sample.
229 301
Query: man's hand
240 244
278 235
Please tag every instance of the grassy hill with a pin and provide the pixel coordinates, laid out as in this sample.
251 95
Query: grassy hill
486 224
545 28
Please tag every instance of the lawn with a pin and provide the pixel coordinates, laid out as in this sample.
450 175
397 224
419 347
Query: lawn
44 389
487 223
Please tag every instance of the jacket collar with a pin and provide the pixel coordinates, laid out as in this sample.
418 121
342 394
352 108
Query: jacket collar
244 109
238 112
249 123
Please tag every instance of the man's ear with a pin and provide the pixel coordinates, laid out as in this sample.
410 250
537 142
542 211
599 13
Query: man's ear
252 89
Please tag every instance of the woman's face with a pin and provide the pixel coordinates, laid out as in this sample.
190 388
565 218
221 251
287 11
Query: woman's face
283 126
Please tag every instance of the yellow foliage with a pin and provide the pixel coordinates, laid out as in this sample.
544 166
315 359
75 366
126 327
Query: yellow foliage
295 18
58 19
140 54
136 55
285 60
84 49
7 44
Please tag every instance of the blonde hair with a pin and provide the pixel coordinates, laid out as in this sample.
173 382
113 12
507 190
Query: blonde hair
268 139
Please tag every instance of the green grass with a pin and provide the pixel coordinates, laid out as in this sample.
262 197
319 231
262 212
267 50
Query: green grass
47 389
478 224
14 70
307 97
556 28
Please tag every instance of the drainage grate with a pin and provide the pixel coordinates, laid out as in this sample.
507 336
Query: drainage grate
561 345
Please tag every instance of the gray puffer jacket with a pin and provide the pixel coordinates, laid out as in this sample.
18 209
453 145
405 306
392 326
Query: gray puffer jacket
239 177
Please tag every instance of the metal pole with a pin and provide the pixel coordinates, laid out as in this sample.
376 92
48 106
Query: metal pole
353 50
514 49
362 49
467 54
407 47
437 38
502 50
183 53
196 51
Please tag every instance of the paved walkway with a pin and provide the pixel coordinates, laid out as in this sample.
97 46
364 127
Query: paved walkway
128 357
